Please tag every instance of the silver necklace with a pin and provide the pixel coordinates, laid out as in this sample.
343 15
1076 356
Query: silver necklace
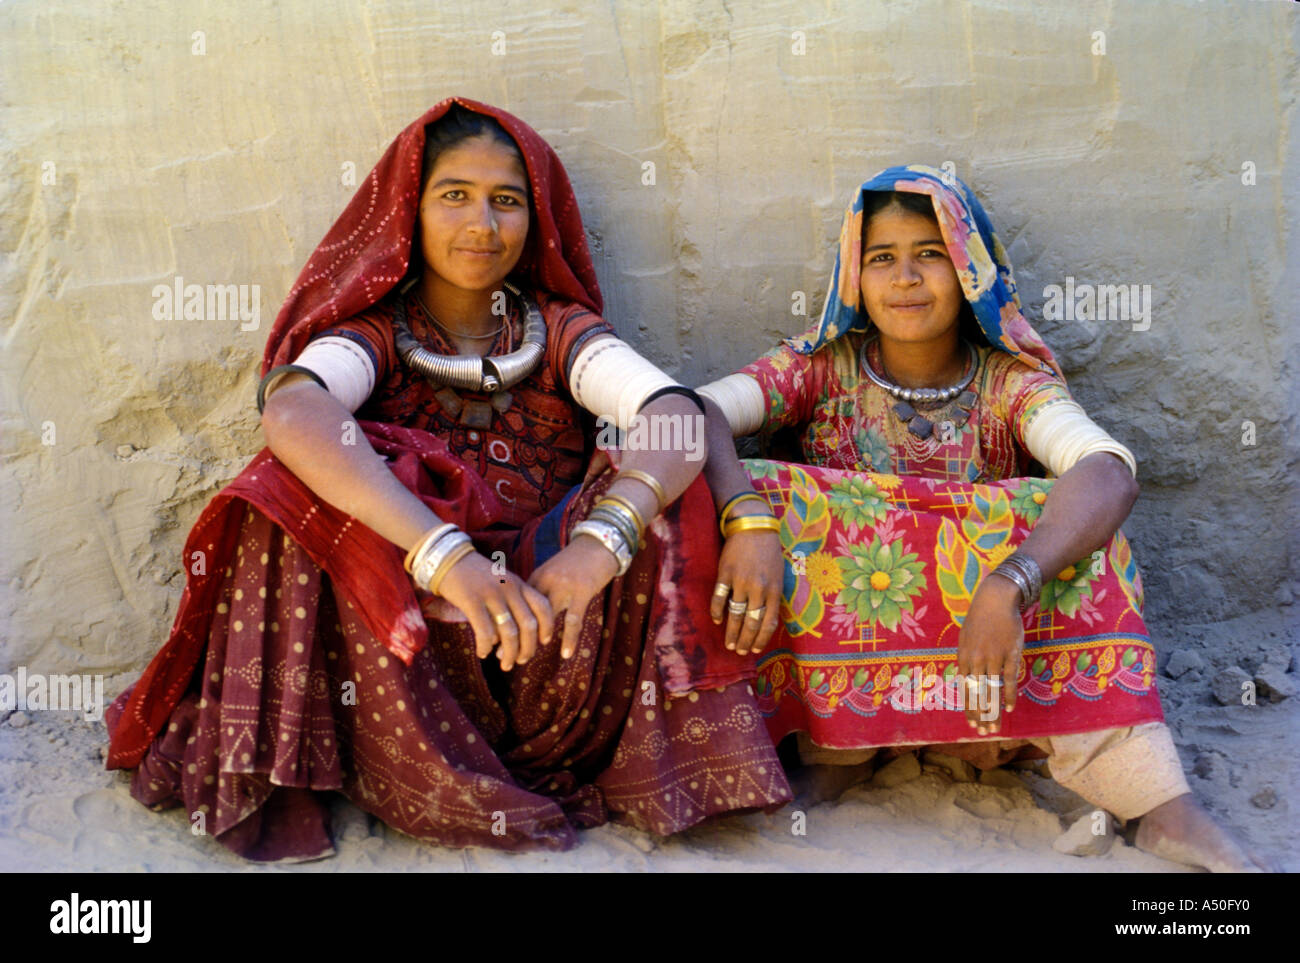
917 423
473 372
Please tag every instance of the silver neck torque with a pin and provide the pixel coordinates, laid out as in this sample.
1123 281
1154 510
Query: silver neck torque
474 372
922 395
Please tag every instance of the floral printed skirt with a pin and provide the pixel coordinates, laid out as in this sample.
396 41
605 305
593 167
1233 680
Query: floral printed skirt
880 571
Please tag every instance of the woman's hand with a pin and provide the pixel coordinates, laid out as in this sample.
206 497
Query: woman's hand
601 461
1082 513
988 653
570 580
752 571
503 611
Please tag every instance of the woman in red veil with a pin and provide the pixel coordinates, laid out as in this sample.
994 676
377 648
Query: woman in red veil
429 389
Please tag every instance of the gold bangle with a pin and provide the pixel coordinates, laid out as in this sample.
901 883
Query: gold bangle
415 550
626 503
733 502
456 555
752 523
650 482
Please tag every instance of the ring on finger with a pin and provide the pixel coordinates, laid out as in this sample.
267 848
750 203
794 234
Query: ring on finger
721 590
501 618
756 613
736 607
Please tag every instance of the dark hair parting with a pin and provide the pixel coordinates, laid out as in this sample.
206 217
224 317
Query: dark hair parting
456 125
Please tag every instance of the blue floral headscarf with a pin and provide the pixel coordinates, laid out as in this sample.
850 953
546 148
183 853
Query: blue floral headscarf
981 262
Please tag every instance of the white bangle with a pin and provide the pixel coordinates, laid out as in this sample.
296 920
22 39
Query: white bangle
425 543
1062 433
740 397
345 368
612 381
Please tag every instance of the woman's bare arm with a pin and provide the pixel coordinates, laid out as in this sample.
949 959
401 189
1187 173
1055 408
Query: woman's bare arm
319 441
723 470
1083 511
573 577
752 563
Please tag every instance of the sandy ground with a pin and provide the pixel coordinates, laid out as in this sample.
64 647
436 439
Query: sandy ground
60 810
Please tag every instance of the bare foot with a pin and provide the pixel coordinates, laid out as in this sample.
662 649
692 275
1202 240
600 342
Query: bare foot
820 783
1182 831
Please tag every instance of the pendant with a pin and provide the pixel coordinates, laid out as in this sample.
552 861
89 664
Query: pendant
916 423
477 414
472 414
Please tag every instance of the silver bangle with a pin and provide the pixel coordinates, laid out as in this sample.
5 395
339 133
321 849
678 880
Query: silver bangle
608 535
428 565
1025 573
1013 575
1032 573
426 542
620 518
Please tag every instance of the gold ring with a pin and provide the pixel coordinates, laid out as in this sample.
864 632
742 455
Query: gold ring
756 613
721 590
501 618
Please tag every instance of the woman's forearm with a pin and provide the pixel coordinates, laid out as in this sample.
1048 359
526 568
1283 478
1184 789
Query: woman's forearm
1083 510
723 470
319 441
673 449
